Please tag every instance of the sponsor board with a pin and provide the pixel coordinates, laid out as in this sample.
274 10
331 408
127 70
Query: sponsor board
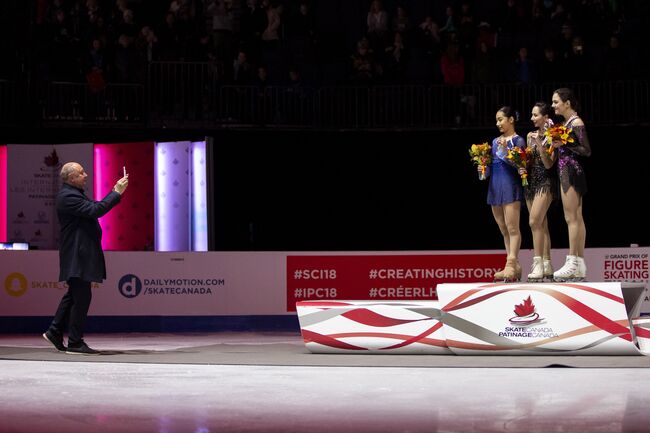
266 283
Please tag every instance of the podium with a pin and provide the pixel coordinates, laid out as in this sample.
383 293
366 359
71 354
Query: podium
485 319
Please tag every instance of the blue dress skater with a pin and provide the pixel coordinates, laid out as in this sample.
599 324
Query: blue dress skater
505 182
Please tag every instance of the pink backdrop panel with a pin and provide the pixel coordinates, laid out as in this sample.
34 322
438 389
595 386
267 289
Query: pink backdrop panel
3 192
130 225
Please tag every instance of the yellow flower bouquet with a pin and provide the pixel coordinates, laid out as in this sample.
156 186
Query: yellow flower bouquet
519 158
557 133
481 155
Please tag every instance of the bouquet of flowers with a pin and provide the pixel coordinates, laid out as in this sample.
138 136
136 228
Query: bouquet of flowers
558 133
481 156
519 158
529 153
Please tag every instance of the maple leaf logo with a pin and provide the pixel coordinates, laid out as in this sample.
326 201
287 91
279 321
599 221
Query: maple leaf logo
52 160
526 308
526 314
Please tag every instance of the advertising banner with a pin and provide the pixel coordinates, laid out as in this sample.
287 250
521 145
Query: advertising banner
376 277
148 283
32 184
151 284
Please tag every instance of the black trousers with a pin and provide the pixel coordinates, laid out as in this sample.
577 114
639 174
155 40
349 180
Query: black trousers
72 311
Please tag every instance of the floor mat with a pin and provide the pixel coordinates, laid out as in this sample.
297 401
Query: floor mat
274 349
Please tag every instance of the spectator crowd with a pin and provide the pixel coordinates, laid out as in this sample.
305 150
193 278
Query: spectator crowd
343 41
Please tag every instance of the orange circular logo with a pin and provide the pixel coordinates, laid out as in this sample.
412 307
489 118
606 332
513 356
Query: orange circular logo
16 284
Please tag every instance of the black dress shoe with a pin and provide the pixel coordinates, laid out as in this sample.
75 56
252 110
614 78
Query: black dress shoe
55 339
81 349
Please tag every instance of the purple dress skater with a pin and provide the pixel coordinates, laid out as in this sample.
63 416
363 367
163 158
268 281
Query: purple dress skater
569 166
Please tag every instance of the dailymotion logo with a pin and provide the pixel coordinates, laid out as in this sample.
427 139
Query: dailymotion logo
130 286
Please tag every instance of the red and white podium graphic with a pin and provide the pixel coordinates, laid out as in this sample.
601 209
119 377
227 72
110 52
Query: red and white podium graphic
405 327
485 319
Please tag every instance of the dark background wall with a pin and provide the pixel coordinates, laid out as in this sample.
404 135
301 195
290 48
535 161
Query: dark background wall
415 190
385 190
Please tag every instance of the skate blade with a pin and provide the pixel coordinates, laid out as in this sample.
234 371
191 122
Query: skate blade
569 280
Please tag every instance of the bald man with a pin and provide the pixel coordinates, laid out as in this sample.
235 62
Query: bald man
81 259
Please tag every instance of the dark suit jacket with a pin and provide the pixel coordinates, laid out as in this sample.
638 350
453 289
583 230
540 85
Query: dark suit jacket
80 247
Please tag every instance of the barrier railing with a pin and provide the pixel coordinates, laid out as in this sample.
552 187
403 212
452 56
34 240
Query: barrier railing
425 107
269 105
182 91
77 102
191 94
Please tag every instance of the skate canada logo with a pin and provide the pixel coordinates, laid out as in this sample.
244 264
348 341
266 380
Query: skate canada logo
525 314
525 323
